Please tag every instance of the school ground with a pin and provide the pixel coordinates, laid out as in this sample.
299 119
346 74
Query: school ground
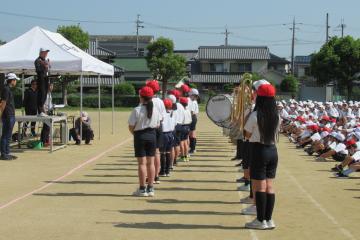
84 192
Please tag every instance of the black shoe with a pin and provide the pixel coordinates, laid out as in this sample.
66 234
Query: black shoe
234 159
77 142
238 165
6 158
337 168
241 180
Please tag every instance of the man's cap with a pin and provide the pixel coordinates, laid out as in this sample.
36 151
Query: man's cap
11 76
44 50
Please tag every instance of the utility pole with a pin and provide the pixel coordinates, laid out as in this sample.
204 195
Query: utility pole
327 27
226 36
293 29
138 25
342 26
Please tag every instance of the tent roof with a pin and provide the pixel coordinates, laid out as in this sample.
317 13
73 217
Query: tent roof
65 58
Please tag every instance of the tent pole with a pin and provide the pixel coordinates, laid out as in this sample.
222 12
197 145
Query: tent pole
99 103
113 103
81 104
22 91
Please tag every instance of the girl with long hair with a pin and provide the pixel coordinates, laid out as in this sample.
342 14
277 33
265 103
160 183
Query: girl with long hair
262 129
143 122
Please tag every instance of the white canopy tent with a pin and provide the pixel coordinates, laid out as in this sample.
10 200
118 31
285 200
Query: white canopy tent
18 56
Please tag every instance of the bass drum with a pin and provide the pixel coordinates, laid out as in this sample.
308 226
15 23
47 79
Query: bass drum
218 109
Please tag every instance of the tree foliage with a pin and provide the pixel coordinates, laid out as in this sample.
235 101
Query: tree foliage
163 63
2 42
338 61
76 35
290 84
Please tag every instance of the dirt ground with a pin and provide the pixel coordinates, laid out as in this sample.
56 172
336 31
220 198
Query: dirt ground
84 192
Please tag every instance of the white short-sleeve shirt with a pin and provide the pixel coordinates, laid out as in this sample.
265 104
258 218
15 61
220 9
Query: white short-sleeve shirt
139 119
252 127
159 104
169 122
180 113
187 116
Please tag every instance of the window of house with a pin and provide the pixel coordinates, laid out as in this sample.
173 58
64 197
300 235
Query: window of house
216 67
240 67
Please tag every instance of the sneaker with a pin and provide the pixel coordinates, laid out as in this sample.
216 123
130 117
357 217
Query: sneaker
150 192
157 180
244 188
271 224
256 224
167 175
188 158
162 175
5 158
340 175
240 180
247 200
251 210
140 193
337 168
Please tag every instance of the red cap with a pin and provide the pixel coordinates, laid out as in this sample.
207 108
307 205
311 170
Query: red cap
326 118
168 103
300 119
350 142
266 90
333 120
326 129
154 84
185 88
146 92
176 93
314 128
184 100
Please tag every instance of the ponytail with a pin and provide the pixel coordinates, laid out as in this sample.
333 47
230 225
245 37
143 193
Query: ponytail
174 106
149 106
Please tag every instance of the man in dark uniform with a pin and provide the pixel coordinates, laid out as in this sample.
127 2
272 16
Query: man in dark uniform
42 66
30 104
7 109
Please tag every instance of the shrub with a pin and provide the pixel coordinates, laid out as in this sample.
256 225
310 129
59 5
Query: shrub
290 84
124 89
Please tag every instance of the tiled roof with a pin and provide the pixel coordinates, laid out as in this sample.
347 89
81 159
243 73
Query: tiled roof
277 59
95 50
234 53
303 59
215 78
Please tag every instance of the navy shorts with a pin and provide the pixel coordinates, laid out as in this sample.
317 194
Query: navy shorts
168 141
185 132
145 143
177 135
339 157
264 161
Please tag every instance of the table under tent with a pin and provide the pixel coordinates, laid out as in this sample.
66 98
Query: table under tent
18 56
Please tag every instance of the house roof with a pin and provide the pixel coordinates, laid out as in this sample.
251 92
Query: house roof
188 54
276 59
234 53
122 38
95 50
215 78
132 64
303 59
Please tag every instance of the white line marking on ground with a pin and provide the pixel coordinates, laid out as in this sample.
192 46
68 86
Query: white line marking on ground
252 232
65 175
344 231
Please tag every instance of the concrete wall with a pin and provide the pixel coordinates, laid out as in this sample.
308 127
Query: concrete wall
321 94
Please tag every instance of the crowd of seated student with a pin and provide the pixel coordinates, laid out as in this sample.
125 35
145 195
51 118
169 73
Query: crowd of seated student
329 131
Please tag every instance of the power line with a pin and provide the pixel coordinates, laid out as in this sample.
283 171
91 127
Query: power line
62 19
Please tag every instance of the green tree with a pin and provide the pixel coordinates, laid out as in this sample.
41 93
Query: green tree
126 89
76 35
338 61
289 84
163 63
2 42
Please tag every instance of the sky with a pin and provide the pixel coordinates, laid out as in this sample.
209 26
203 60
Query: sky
193 23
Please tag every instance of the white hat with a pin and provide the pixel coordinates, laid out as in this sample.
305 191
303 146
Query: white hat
84 115
172 98
194 91
11 76
340 137
258 83
44 50
324 134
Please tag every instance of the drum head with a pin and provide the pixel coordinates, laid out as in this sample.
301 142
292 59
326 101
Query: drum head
218 109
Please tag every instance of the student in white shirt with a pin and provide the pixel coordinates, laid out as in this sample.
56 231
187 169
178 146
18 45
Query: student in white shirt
261 129
169 123
194 95
184 144
159 105
143 121
48 110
